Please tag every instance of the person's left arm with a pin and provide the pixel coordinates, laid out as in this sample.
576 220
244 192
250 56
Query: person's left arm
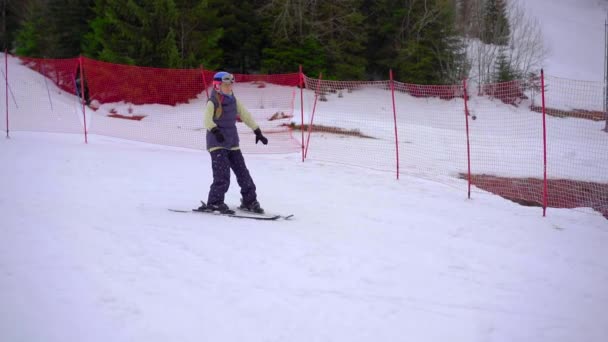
246 117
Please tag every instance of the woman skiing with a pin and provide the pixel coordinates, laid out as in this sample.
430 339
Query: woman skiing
223 145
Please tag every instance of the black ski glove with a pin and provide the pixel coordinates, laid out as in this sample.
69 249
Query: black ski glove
260 137
218 135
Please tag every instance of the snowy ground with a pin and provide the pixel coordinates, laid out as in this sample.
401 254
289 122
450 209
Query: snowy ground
89 251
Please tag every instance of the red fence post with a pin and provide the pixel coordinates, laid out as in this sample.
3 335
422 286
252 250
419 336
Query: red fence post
466 118
301 74
395 120
312 116
204 81
82 98
545 190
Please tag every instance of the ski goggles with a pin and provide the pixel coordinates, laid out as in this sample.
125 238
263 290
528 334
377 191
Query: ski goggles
228 79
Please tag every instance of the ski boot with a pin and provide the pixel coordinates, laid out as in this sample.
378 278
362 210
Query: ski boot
222 208
253 207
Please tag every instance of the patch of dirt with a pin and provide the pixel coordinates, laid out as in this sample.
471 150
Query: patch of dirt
331 130
594 115
561 193
127 117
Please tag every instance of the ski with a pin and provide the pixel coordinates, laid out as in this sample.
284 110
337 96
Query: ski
251 213
252 216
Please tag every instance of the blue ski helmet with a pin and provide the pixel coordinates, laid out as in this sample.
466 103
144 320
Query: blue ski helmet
219 75
222 77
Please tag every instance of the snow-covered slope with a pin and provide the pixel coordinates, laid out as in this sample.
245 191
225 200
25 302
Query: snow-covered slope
89 251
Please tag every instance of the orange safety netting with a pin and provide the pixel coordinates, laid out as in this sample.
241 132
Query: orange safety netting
497 137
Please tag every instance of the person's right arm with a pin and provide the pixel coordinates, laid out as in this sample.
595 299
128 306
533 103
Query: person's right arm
208 117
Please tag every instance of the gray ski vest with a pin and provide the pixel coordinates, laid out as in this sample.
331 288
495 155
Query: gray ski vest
224 117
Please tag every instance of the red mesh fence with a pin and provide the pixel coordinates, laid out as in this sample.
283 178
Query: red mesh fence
506 140
165 106
355 123
41 95
507 143
423 132
431 127
153 105
577 144
110 83
289 80
511 92
439 91
350 123
271 101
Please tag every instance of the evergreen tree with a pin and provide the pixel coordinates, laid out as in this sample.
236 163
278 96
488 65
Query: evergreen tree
110 39
503 70
135 32
287 56
31 38
422 37
28 41
53 28
158 33
332 32
69 22
243 37
383 26
343 34
416 38
13 15
496 29
287 26
198 33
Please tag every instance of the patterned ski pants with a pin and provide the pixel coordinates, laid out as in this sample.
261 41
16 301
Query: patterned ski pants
222 161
